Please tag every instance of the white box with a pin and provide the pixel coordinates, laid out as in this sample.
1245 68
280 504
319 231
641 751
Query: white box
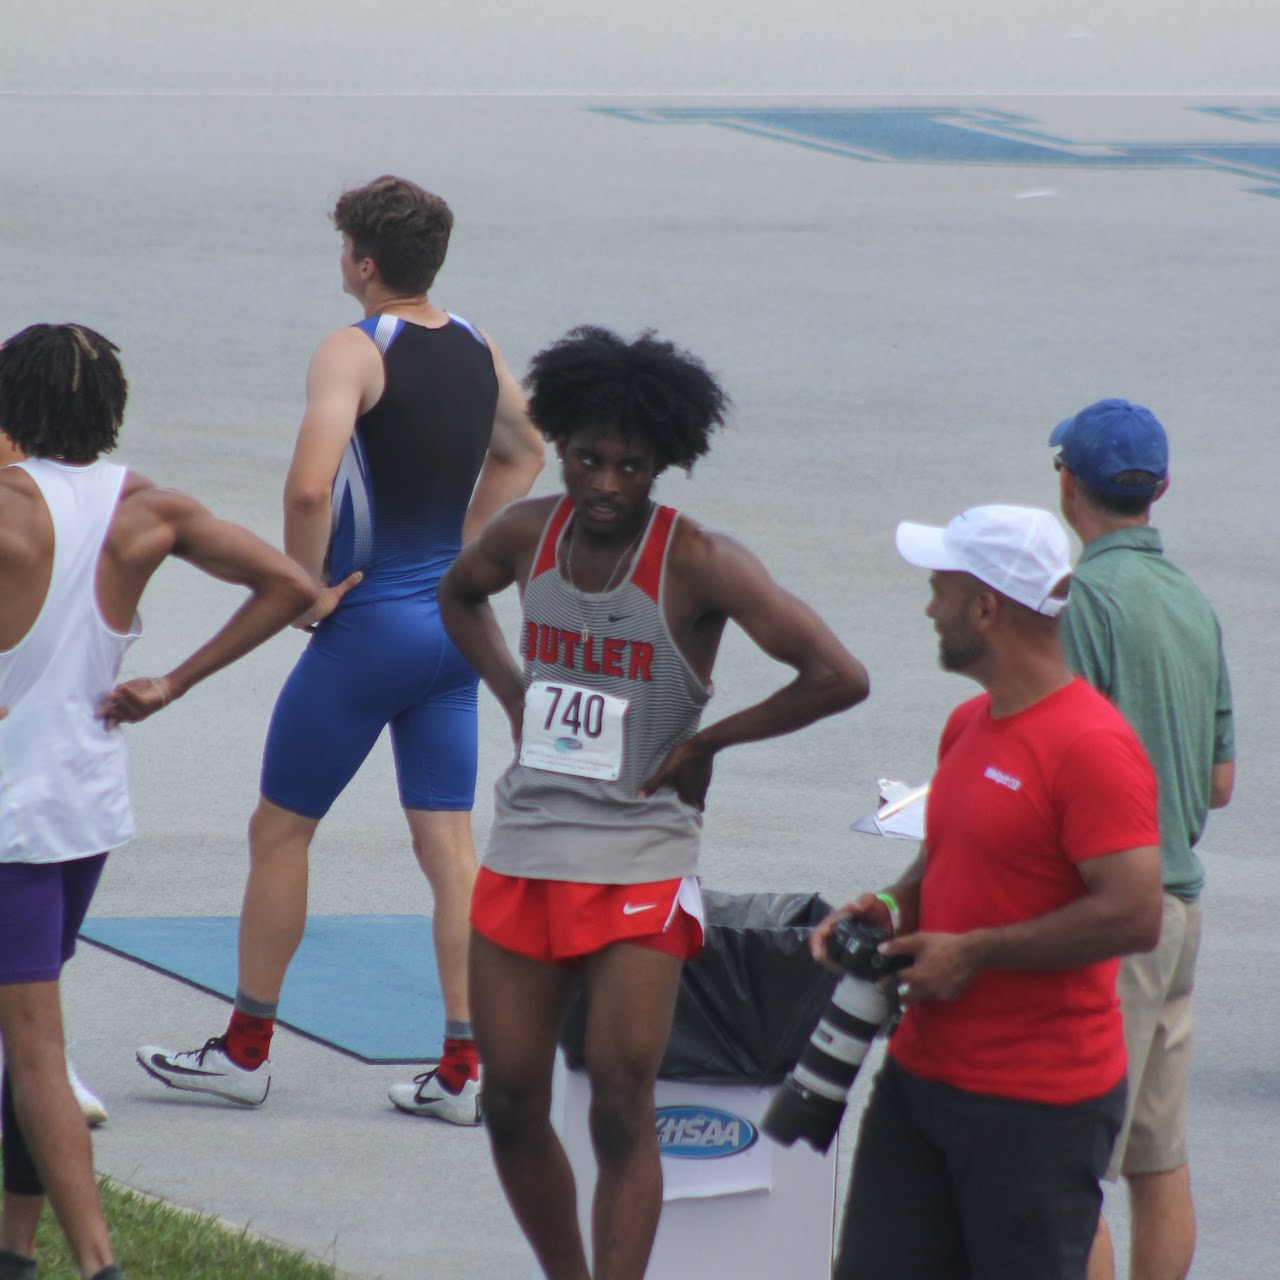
736 1206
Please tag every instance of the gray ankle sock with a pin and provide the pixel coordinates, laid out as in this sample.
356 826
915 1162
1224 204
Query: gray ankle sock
254 1008
16 1266
457 1029
111 1272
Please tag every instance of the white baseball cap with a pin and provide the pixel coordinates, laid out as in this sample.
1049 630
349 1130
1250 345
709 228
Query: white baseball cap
1022 552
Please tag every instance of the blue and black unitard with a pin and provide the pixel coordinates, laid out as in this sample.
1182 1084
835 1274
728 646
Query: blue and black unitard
382 657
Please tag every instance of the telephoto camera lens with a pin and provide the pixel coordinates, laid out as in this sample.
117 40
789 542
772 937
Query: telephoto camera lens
810 1102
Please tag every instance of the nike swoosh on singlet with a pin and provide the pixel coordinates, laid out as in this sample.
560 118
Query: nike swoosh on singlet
629 910
616 617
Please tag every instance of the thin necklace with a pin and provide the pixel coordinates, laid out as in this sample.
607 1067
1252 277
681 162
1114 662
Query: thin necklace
589 622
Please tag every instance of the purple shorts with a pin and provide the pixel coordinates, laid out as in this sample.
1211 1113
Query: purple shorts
42 906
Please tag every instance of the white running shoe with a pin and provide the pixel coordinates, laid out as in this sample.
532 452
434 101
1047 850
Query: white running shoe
424 1095
207 1070
91 1106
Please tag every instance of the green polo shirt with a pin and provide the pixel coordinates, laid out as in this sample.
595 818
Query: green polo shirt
1137 628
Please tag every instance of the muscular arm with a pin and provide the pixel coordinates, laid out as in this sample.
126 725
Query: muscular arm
1119 913
515 457
279 591
726 580
343 380
1222 782
905 891
485 566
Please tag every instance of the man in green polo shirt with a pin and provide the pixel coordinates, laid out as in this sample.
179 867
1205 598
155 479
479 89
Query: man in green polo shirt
1139 629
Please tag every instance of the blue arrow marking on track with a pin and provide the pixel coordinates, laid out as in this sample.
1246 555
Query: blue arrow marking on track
979 135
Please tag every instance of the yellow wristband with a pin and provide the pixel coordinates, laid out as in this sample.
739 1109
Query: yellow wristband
895 915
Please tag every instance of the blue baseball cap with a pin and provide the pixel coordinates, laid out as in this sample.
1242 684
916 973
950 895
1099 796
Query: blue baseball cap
1110 437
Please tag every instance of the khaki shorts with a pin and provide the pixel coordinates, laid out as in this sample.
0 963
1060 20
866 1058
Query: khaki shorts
1155 998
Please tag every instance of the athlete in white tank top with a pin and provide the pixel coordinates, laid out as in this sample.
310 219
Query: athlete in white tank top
64 776
79 540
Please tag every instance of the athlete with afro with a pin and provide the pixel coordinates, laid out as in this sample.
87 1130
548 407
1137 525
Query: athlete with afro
591 858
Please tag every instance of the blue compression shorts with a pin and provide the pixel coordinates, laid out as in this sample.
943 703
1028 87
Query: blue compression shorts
370 665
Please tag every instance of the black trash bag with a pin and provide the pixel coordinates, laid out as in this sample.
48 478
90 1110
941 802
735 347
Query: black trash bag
749 1001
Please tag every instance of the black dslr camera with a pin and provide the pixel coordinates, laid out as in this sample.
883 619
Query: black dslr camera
810 1102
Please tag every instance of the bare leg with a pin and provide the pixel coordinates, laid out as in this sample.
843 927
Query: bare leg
517 1008
631 994
1102 1257
50 1119
274 912
1163 1235
442 845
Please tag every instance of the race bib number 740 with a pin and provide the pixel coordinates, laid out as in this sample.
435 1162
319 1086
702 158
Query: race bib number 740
568 729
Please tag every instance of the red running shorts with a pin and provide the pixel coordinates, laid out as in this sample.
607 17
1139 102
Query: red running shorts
561 921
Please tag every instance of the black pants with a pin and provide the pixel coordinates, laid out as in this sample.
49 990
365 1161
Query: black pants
952 1185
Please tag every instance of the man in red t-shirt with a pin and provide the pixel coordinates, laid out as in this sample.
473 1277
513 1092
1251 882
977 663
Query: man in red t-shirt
991 1123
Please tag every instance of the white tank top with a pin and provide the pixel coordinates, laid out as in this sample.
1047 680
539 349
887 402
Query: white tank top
64 777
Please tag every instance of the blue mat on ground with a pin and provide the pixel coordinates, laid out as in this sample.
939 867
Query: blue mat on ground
366 985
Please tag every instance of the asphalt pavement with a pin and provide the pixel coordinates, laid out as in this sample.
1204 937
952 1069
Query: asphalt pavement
909 238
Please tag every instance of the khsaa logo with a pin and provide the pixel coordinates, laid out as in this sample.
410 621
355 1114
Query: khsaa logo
568 744
702 1133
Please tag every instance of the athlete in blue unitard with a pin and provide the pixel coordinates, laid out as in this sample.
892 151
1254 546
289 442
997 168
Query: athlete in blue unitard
415 432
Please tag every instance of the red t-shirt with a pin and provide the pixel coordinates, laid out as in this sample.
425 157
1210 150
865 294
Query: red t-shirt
1016 802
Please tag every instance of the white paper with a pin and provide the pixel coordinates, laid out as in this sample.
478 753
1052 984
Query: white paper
902 818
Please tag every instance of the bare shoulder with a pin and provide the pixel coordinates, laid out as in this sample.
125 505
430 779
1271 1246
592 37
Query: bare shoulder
346 348
143 502
508 384
136 485
701 554
349 338
143 492
17 486
26 529
502 552
520 523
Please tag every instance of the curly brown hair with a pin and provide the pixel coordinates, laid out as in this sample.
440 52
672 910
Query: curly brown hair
402 227
62 392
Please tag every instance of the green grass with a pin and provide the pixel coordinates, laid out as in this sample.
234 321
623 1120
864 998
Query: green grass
154 1241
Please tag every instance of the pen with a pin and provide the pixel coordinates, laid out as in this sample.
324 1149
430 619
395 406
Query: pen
902 802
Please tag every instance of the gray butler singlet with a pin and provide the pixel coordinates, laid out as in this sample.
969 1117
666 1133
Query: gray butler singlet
557 826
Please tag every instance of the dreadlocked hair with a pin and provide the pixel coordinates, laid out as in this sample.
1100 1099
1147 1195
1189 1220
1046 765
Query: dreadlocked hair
591 377
62 392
